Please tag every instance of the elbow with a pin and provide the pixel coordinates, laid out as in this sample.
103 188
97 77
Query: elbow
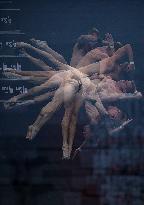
128 46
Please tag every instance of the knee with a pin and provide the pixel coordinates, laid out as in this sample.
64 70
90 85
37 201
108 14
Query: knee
64 122
44 112
127 46
35 89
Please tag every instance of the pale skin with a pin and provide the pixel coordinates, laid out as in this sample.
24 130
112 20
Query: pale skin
104 66
67 147
111 63
64 95
88 70
99 53
113 93
56 59
96 54
41 53
44 46
92 56
94 118
79 53
61 94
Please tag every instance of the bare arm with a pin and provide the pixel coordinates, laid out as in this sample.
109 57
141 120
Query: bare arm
35 100
37 62
121 127
48 56
123 96
91 57
57 56
125 50
77 55
32 79
47 74
44 46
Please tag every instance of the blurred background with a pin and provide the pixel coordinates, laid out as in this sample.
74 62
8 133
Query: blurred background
33 172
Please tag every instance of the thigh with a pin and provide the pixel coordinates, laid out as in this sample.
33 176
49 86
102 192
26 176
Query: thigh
90 69
77 103
70 90
91 111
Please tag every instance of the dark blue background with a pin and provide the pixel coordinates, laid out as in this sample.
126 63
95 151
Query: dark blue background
112 173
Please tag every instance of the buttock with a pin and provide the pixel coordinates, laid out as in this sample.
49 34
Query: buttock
76 83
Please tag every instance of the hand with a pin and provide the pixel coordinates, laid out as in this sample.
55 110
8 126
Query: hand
130 67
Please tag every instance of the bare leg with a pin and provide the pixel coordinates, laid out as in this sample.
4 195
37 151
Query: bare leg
13 75
65 130
63 95
36 79
76 56
69 125
45 114
91 57
109 64
44 97
36 61
43 45
90 69
93 116
47 56
73 122
36 100
53 82
87 135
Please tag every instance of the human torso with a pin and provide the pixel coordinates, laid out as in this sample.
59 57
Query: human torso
84 44
93 56
108 87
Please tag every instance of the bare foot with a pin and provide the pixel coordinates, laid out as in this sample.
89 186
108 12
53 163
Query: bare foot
65 152
23 104
32 131
39 43
11 70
